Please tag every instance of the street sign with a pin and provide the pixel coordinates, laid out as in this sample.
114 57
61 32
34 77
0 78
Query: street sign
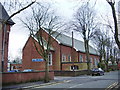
37 60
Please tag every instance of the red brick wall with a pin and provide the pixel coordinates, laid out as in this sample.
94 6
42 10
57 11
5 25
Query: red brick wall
0 46
91 56
83 54
6 48
56 54
93 60
24 77
5 45
66 51
29 53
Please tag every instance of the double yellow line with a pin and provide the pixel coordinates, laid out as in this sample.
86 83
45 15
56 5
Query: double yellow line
112 86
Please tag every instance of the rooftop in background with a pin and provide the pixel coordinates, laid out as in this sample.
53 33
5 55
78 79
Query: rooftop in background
4 15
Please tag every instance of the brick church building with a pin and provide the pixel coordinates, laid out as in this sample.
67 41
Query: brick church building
66 54
4 38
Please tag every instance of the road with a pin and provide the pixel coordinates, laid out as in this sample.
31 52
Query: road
67 83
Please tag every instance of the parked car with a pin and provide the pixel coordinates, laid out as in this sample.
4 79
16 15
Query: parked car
97 71
15 70
28 70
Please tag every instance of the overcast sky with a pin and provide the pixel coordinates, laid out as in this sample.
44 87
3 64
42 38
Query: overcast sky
65 8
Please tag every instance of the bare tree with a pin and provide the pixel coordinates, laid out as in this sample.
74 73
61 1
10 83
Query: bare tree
17 60
102 41
85 24
105 44
43 18
112 4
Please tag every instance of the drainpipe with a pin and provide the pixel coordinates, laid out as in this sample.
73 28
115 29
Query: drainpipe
60 59
72 54
3 45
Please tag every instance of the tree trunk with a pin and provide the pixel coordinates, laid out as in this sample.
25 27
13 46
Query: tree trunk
116 27
115 24
46 79
100 58
106 60
87 55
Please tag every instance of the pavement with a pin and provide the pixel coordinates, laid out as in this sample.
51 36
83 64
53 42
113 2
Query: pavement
32 84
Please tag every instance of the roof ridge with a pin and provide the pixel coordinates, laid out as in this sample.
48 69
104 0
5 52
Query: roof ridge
67 40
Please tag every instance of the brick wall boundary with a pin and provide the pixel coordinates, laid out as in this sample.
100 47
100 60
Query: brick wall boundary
23 77
71 73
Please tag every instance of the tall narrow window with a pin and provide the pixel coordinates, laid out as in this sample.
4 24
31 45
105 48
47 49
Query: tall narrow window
98 60
85 59
69 58
91 59
81 58
50 58
63 58
95 61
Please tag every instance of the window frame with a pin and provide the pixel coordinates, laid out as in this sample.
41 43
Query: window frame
95 61
50 59
85 59
63 58
69 58
80 58
91 60
74 68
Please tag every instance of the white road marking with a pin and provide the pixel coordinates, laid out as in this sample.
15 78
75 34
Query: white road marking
67 81
75 85
48 84
111 86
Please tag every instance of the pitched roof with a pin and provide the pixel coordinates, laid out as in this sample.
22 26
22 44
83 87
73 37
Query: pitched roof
4 15
78 45
44 43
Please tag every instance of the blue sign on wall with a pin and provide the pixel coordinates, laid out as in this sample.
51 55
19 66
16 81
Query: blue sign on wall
37 60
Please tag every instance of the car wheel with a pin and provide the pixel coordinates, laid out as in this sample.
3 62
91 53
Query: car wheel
99 74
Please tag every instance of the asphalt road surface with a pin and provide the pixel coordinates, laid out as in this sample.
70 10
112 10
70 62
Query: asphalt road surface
69 83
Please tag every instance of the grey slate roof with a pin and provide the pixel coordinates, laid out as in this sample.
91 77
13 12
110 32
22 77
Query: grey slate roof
4 15
78 45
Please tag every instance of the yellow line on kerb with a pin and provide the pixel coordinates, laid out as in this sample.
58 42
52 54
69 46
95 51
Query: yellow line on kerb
111 86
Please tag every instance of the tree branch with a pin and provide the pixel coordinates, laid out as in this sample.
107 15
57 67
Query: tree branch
20 10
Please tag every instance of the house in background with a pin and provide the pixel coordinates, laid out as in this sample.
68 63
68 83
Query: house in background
4 37
14 65
67 54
